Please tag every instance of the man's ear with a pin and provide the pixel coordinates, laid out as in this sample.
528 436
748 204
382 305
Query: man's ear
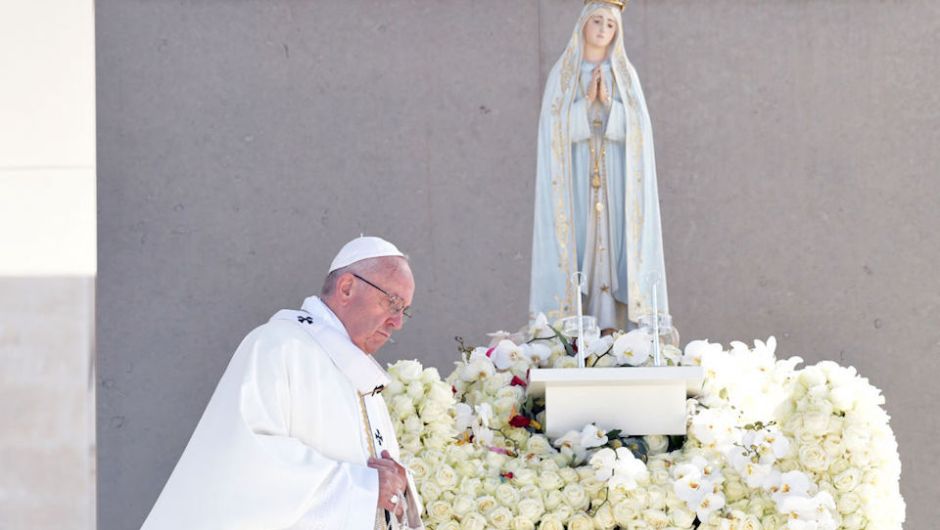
344 285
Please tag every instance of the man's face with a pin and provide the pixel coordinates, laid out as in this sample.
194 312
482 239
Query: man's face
372 319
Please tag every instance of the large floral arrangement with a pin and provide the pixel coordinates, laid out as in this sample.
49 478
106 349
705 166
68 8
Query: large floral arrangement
768 446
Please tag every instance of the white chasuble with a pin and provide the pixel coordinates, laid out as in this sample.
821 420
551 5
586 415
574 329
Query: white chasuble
283 441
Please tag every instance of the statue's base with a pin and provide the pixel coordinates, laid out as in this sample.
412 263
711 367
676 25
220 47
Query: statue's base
638 401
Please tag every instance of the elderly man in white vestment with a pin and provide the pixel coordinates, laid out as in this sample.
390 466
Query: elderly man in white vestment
297 435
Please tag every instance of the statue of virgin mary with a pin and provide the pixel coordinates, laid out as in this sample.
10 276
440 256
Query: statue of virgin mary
597 205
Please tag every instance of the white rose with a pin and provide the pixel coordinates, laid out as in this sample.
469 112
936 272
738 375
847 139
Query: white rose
485 504
624 513
520 522
735 490
500 517
406 370
393 388
832 445
473 521
448 525
604 519
432 411
681 517
419 468
856 437
565 362
813 457
563 512
657 443
410 443
657 497
552 499
849 503
440 511
490 484
816 418
463 504
446 477
503 406
607 361
531 492
550 480
568 474
471 486
842 398
430 491
413 425
415 390
493 384
468 468
580 521
524 477
660 476
430 375
531 508
854 521
750 522
551 522
656 518
773 521
441 393
506 495
403 406
575 496
848 480
812 376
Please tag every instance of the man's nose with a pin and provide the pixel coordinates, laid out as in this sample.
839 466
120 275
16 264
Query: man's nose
397 321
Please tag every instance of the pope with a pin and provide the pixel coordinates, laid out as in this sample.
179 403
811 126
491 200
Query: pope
296 434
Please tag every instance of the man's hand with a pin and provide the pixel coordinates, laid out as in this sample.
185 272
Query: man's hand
392 483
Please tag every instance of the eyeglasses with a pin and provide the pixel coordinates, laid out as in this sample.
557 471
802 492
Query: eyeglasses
395 302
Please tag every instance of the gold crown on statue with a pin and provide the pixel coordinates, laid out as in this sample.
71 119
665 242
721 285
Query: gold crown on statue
616 3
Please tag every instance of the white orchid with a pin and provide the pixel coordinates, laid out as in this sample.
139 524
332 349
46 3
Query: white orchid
540 329
791 483
620 469
697 349
592 436
633 348
505 354
537 353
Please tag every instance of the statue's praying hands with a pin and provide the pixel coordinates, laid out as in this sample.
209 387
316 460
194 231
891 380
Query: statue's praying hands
598 88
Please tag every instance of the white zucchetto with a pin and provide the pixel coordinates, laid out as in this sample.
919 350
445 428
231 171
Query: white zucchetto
361 248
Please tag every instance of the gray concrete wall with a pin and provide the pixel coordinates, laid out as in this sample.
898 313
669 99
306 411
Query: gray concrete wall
47 406
241 143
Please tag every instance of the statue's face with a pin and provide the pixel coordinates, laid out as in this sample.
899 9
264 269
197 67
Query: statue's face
600 29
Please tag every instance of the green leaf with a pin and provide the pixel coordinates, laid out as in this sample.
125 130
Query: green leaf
569 349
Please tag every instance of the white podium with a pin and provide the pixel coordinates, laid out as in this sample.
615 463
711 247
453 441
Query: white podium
638 401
